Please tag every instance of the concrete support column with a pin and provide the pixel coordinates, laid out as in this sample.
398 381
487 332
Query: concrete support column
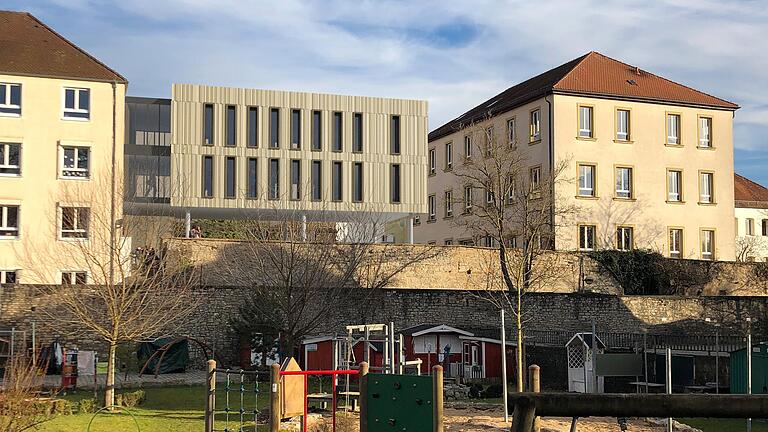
410 230
188 225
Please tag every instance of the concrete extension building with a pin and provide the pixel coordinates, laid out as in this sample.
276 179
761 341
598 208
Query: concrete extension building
751 200
61 140
231 153
651 161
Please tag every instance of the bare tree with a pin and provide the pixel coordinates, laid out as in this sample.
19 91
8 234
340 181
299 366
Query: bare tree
108 289
305 275
20 410
748 247
510 204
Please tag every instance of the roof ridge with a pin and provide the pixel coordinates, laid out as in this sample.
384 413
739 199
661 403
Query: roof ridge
654 75
579 62
73 45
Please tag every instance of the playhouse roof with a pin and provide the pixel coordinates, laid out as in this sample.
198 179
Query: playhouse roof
586 340
423 329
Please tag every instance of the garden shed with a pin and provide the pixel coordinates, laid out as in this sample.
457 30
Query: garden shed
580 351
759 370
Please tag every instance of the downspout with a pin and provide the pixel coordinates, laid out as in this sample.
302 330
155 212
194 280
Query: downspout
551 122
113 182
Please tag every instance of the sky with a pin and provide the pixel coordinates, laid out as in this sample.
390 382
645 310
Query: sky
454 54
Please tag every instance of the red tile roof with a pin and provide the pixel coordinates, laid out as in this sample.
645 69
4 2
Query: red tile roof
592 74
29 47
748 193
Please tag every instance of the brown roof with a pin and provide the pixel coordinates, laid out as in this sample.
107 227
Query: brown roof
748 193
592 74
29 47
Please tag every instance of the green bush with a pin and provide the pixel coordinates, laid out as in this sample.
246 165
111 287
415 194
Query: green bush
62 407
475 390
130 400
493 391
88 406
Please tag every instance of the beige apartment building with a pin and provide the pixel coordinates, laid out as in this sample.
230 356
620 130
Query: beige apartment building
61 141
649 161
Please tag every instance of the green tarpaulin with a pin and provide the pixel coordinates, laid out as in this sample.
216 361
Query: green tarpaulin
176 356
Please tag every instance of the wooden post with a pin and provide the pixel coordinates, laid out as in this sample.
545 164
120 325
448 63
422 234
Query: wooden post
523 415
274 398
210 401
437 398
534 380
363 397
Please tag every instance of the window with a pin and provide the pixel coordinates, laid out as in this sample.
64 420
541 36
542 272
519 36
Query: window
77 103
394 134
395 183
707 244
207 176
432 161
625 238
10 159
8 277
357 182
448 156
417 220
749 226
489 197
448 203
674 186
535 180
357 133
274 179
675 242
489 141
317 130
765 227
622 125
467 242
75 162
511 184
229 173
587 237
586 180
673 129
707 187
295 129
74 277
535 134
295 179
9 221
586 122
338 132
512 132
10 99
208 124
448 242
274 128
253 178
624 182
231 125
467 199
467 146
705 132
431 207
253 127
489 241
74 222
317 180
336 182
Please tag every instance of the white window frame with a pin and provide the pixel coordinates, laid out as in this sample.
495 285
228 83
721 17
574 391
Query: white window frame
622 124
448 203
675 239
673 129
512 132
749 226
467 146
586 121
674 194
624 182
489 141
585 233
587 183
706 187
535 126
75 169
489 198
535 180
6 104
72 234
512 191
432 161
708 244
73 276
625 238
448 155
467 199
432 207
4 227
5 162
75 110
4 276
705 132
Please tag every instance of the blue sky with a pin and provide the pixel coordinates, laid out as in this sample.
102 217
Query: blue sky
453 54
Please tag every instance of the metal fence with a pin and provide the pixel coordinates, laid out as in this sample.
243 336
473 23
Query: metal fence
618 340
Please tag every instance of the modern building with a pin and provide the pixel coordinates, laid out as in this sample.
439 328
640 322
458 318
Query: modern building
230 153
751 200
650 161
61 140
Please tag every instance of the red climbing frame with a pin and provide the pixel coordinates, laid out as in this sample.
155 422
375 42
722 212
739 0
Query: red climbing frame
306 374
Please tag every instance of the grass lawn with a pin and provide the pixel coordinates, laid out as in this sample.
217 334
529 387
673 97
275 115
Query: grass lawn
167 409
725 425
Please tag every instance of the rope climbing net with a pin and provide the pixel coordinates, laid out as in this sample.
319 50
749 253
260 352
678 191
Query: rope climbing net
238 407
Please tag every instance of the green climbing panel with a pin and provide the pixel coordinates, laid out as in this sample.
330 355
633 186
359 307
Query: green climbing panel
399 403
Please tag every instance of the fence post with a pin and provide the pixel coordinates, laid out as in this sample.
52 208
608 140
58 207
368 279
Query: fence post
534 380
363 397
274 398
437 397
210 401
523 415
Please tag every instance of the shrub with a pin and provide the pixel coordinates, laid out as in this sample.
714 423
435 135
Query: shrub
475 390
87 406
493 391
62 407
130 400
